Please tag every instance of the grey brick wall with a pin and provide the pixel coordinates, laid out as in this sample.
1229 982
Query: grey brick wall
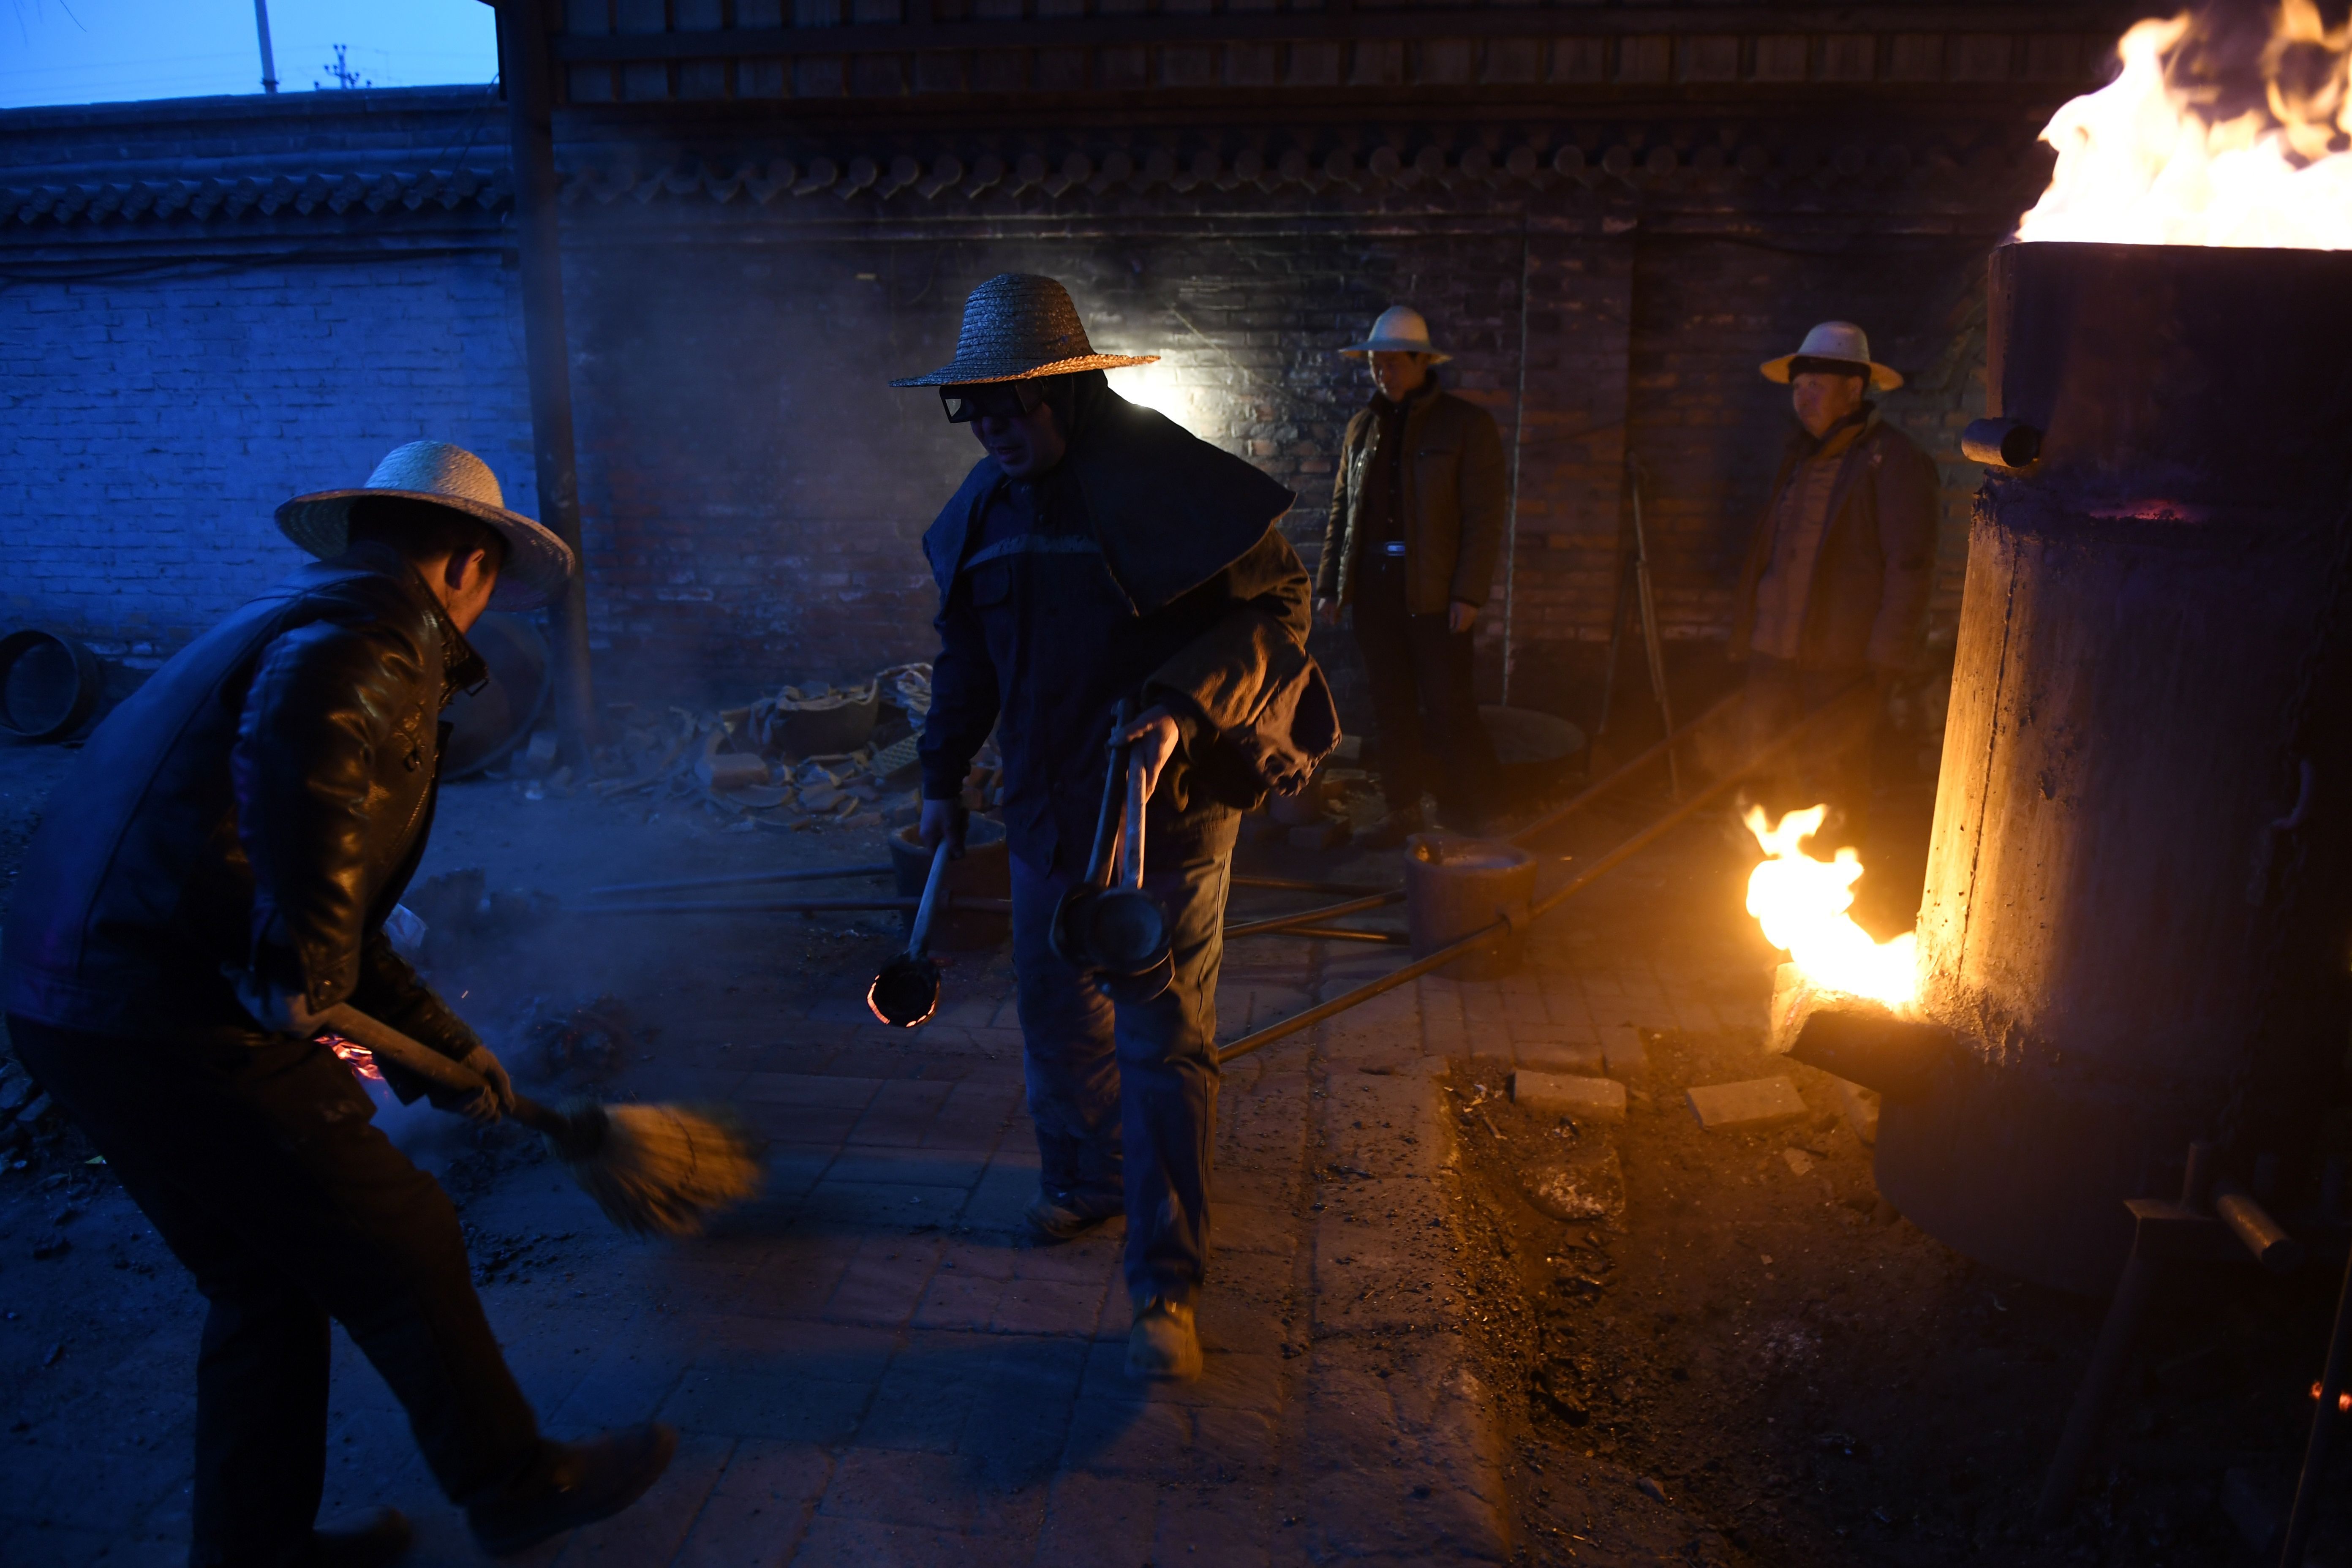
150 426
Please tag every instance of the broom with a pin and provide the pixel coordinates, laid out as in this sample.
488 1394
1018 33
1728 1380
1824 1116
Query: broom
653 1169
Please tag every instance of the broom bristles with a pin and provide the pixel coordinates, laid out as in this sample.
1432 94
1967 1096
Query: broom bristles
666 1169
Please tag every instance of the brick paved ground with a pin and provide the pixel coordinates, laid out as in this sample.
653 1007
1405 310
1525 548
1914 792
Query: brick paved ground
871 1364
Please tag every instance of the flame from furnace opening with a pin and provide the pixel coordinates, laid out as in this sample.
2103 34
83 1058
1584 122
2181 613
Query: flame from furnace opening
2211 135
1802 905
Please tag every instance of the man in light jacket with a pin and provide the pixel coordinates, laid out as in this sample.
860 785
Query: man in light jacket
1097 554
1415 527
1834 591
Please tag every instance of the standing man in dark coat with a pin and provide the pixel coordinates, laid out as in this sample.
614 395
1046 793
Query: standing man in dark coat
1834 591
216 872
1099 555
1415 527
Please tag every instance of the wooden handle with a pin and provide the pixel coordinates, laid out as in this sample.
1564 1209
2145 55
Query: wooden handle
1131 866
411 1056
918 940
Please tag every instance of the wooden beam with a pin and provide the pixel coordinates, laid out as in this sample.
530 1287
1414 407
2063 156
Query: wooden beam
1346 23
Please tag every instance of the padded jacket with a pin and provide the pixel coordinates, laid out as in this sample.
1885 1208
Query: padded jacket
256 807
1455 495
1867 603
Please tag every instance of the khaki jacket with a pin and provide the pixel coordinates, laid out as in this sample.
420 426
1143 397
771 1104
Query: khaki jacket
1454 503
1868 601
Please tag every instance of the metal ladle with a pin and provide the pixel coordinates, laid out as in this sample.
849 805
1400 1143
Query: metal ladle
907 991
1108 924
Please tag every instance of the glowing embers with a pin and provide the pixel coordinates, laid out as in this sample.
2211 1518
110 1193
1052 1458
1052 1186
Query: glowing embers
358 1057
1802 903
2212 135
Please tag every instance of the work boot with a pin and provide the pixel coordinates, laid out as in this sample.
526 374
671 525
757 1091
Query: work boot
573 1484
1065 1217
1163 1346
370 1539
1390 830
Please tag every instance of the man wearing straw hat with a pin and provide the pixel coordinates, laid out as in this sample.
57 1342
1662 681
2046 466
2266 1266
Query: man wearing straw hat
1834 594
1414 530
1097 554
215 871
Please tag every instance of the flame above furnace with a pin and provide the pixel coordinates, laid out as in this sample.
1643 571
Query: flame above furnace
1802 905
2212 135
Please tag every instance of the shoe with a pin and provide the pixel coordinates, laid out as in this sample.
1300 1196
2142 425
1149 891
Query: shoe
363 1541
1163 1346
573 1484
1390 831
1065 1217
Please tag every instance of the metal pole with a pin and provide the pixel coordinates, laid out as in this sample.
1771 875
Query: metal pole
269 64
1518 438
1650 640
529 75
2333 1376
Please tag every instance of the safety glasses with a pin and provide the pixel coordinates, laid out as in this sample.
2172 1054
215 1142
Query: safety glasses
993 399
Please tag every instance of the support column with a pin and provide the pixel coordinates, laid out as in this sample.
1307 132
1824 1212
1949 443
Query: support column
529 76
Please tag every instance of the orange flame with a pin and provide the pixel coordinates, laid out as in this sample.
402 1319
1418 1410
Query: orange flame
359 1059
1802 905
2205 139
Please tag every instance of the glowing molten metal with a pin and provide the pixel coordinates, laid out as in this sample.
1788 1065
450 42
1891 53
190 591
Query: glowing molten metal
2209 137
1801 904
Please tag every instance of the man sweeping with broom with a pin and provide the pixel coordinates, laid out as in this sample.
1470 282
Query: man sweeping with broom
207 887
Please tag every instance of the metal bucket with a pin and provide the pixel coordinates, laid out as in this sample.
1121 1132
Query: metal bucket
1454 886
49 684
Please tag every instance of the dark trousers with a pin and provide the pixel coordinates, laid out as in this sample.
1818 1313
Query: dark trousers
258 1166
1831 768
1124 1097
1425 707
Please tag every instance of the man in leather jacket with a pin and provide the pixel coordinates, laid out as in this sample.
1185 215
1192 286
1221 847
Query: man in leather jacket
217 870
1099 553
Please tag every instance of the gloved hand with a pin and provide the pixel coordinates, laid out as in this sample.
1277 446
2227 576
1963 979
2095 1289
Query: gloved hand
945 819
486 1104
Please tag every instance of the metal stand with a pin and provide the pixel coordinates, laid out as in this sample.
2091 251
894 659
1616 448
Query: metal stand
2215 1221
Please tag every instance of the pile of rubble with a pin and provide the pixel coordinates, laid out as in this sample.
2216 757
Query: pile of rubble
808 757
21 1106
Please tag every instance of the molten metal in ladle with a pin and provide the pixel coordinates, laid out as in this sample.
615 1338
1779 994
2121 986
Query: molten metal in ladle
906 992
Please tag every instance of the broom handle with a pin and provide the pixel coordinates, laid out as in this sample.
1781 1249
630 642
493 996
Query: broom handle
382 1040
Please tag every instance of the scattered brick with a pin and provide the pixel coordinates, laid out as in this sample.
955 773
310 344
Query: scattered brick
1738 1107
1571 1094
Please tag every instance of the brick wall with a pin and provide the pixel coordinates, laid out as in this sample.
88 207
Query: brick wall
152 426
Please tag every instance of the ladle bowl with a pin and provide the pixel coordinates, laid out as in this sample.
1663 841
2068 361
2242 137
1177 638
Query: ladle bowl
905 993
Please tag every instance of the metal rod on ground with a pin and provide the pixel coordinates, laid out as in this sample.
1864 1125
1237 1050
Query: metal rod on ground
1478 939
528 73
1339 933
1591 793
1651 643
1314 916
747 879
1293 885
2107 1358
790 906
2332 1379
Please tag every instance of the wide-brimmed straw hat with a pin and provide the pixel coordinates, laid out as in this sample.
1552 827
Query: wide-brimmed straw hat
1841 340
1399 331
538 562
1018 326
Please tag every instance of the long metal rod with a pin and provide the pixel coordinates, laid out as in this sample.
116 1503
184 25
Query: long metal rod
2332 1379
528 74
791 906
1478 939
1652 647
2108 1356
823 873
1518 444
1291 884
1317 915
1337 933
1591 793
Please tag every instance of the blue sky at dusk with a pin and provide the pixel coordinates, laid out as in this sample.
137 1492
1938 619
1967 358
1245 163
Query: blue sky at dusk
107 51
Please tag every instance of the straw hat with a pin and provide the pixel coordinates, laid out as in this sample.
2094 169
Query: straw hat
1835 341
1399 331
1018 326
538 564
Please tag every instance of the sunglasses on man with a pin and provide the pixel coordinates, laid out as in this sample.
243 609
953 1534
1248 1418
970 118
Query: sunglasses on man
991 399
